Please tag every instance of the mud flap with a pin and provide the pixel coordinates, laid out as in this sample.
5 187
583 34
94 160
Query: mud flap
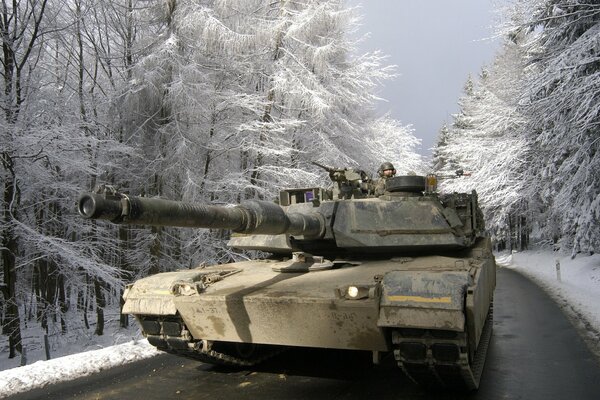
424 300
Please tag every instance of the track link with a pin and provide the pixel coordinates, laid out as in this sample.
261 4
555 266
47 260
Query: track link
442 359
229 354
170 334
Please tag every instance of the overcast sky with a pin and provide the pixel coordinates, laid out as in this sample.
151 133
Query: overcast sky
435 44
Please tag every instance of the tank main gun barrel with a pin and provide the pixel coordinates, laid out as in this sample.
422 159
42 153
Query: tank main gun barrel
252 216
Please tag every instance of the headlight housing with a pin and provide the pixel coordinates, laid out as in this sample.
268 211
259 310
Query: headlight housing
358 292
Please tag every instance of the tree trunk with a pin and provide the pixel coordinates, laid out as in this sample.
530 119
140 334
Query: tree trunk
123 318
100 304
124 265
62 303
82 300
42 277
51 290
9 250
524 234
155 248
510 233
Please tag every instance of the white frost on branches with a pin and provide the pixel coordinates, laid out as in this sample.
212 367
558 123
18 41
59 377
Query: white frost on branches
529 131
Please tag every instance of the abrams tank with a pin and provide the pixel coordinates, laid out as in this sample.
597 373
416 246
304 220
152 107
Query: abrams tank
408 274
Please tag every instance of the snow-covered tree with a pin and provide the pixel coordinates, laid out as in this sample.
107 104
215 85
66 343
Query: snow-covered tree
395 143
485 140
529 130
563 108
59 73
236 99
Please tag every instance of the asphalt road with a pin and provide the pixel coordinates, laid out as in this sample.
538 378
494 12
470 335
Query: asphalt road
535 353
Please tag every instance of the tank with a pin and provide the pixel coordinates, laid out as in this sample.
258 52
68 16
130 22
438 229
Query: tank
409 275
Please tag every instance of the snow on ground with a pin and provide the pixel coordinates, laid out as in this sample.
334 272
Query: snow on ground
78 338
78 353
578 293
42 373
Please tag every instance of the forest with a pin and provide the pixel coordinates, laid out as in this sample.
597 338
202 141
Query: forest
225 100
528 129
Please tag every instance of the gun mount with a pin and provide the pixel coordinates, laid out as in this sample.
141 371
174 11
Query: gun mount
349 182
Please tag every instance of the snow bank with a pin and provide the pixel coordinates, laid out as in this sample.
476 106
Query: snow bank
577 291
42 373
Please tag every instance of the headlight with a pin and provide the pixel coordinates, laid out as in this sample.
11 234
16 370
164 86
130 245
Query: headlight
357 292
184 289
352 292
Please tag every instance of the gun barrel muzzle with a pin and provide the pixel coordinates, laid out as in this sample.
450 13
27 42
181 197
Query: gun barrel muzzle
98 206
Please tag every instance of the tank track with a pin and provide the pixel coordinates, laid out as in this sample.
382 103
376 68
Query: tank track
442 359
229 356
170 334
434 359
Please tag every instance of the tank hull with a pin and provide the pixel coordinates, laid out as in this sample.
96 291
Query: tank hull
254 302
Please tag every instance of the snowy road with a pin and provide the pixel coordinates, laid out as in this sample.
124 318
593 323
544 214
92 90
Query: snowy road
534 354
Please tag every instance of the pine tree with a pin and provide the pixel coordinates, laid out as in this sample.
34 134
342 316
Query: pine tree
563 110
486 140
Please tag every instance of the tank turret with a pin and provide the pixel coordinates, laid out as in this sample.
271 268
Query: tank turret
346 220
409 273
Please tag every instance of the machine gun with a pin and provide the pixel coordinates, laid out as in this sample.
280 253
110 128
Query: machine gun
432 180
350 182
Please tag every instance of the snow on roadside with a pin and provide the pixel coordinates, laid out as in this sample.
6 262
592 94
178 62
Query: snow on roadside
42 373
577 292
